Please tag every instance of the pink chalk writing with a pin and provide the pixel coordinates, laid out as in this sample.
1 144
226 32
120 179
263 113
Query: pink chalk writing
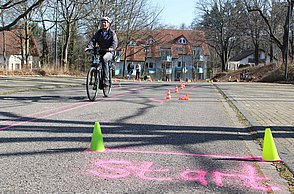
143 169
118 169
112 169
249 178
194 175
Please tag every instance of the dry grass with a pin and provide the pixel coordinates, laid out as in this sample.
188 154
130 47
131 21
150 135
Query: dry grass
46 71
268 73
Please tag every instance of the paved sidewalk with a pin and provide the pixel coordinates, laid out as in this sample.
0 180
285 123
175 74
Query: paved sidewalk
267 105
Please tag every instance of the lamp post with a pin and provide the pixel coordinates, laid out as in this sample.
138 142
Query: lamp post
146 49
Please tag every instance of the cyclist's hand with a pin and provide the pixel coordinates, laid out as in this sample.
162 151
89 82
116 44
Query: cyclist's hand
110 49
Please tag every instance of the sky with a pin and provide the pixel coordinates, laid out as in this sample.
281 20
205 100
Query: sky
176 12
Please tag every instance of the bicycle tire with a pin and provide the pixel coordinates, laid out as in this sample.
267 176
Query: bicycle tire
92 84
106 92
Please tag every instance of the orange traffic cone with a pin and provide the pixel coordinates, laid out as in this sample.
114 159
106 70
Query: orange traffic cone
168 95
182 87
182 98
119 86
186 97
176 89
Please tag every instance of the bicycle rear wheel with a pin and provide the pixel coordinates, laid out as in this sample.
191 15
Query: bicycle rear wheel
92 84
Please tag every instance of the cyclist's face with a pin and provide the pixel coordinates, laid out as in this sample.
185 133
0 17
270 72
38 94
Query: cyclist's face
104 25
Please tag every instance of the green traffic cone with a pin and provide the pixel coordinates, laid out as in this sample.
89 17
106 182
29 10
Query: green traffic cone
97 143
269 152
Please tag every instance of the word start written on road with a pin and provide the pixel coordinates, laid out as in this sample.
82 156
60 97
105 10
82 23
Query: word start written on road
118 169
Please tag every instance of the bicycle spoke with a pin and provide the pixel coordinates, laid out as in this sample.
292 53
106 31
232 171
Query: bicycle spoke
91 84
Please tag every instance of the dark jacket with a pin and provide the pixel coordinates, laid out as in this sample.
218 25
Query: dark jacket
107 41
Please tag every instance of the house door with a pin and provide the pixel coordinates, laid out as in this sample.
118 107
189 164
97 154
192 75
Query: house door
178 75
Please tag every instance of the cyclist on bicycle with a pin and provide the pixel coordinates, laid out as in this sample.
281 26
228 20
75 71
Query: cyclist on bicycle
106 40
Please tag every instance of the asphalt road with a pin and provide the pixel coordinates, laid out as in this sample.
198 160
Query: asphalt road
152 145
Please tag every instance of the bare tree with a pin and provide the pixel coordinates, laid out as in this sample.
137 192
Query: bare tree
23 31
9 5
279 30
255 29
45 17
72 12
223 23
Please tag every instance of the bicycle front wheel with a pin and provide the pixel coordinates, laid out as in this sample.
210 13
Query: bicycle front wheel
92 84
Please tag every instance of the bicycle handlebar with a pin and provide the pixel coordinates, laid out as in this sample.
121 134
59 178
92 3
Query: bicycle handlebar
99 49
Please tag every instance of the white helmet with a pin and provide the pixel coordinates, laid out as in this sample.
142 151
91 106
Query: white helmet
106 19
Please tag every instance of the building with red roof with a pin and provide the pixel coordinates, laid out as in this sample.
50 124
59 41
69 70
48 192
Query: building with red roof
168 54
12 49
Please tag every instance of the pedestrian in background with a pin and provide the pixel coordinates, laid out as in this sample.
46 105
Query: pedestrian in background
138 68
130 69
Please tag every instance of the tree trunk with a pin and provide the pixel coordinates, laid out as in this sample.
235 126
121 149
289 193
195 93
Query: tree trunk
27 52
65 46
223 61
125 61
256 56
45 52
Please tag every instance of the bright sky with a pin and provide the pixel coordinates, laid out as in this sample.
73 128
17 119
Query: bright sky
176 12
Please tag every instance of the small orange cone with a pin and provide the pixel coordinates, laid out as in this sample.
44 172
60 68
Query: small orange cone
186 97
269 152
168 95
119 86
182 98
176 89
182 87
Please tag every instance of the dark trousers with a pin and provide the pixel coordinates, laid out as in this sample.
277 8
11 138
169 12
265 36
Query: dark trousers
137 74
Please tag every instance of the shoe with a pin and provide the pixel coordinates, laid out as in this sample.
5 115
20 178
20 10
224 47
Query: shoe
101 86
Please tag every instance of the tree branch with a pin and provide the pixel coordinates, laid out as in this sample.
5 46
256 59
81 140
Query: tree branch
9 26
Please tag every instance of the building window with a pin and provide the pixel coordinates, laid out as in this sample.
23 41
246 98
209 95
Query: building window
149 65
150 41
132 43
197 51
182 41
165 52
17 66
181 64
166 65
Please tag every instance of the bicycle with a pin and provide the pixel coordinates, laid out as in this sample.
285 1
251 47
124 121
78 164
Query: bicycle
94 77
